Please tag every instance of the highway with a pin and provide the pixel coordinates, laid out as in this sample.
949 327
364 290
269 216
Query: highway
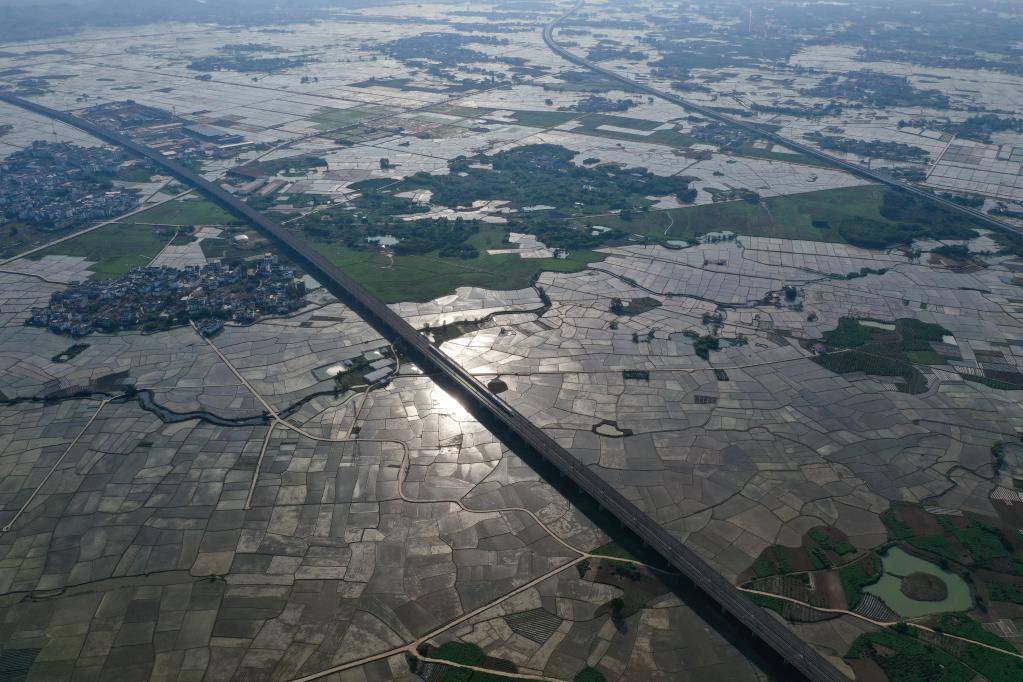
763 625
707 112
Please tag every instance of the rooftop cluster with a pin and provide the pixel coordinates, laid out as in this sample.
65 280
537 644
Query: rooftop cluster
158 298
163 130
59 185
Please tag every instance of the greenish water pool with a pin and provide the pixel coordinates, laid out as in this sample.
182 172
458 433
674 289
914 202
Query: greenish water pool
897 564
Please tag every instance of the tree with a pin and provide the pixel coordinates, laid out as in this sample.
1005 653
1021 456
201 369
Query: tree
385 163
617 307
589 675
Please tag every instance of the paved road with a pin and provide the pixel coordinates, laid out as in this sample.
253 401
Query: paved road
772 632
854 168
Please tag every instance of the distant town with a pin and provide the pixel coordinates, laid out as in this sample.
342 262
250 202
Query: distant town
158 298
57 186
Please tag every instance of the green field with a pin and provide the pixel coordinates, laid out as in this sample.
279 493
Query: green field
425 277
788 217
115 248
16 237
338 118
544 119
748 150
906 658
187 212
590 125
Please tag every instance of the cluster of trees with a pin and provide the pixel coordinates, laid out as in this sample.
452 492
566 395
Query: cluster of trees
907 218
606 50
448 238
244 63
545 174
449 49
533 175
878 90
599 104
795 109
275 166
881 149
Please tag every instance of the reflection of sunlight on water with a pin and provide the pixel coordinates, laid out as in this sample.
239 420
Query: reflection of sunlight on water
443 402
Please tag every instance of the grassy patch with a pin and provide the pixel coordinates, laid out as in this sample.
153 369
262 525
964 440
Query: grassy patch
137 174
924 357
326 119
628 122
788 217
748 150
543 119
425 277
645 130
869 216
857 576
183 212
114 249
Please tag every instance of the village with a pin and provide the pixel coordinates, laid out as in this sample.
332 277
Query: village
56 186
158 298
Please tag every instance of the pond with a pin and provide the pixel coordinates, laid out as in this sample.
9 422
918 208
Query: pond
898 564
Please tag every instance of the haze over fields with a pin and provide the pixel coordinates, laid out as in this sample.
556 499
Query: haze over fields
511 340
